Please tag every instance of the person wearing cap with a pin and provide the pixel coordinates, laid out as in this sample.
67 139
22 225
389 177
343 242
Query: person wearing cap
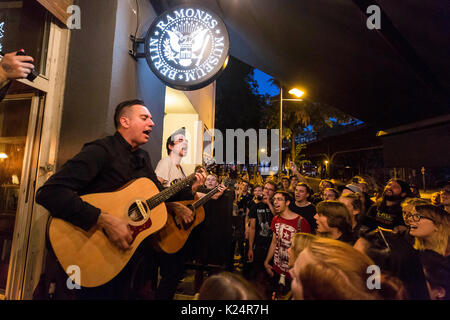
13 67
387 213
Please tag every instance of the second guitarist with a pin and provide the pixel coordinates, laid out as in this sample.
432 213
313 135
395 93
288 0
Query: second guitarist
105 165
169 170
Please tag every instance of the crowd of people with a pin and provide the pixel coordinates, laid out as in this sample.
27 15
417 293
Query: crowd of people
294 243
283 238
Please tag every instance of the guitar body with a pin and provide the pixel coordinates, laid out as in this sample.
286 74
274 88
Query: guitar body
98 259
172 238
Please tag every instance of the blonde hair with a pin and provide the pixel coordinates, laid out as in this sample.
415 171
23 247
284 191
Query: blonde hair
299 242
441 219
337 272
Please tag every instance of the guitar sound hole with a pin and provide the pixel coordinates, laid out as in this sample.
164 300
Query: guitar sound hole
135 214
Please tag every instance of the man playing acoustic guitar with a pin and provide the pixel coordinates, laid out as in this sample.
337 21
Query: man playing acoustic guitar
168 171
106 165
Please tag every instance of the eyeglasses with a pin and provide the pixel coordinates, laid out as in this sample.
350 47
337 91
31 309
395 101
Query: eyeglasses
415 216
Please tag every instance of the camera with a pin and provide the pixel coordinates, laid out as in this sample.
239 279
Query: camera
33 74
260 197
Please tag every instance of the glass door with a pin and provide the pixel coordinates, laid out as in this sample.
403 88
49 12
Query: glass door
18 124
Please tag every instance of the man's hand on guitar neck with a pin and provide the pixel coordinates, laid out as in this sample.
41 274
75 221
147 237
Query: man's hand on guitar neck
200 179
180 211
222 189
116 229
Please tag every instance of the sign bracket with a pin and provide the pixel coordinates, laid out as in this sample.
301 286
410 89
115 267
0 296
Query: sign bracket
136 42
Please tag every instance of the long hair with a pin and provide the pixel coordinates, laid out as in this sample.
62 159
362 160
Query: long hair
337 271
441 219
299 242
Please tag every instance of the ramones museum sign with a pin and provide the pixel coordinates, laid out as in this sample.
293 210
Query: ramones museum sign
187 47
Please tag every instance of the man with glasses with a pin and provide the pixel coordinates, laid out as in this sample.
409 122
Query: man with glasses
260 235
284 226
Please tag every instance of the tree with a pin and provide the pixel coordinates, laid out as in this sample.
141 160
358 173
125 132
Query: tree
238 105
301 116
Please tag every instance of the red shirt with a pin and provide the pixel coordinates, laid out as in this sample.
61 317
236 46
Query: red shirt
284 231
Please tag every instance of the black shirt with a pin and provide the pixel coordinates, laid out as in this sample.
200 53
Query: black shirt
307 213
384 216
104 165
263 235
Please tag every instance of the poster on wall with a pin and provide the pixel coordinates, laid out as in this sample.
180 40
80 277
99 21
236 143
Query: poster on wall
187 47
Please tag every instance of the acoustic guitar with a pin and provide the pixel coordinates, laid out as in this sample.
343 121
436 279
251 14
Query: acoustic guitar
175 233
139 203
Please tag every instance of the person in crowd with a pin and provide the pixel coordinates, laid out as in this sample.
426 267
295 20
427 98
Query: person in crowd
430 226
285 183
260 235
284 226
318 196
208 238
334 221
353 203
409 208
211 181
327 269
293 181
414 191
257 198
359 185
444 195
228 286
387 212
302 206
393 254
299 242
105 165
243 199
437 274
13 67
436 199
330 194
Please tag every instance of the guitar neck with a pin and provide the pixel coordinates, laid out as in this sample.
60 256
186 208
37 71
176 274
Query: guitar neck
205 198
169 192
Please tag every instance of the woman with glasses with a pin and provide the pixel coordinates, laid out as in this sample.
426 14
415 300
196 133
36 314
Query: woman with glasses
430 226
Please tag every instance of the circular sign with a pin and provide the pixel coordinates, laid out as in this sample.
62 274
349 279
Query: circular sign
187 47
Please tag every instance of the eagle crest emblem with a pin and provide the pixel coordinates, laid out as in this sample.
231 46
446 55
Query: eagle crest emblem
186 48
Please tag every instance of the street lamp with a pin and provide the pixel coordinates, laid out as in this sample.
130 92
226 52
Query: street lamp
297 93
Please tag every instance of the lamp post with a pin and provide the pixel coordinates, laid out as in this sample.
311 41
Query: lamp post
297 93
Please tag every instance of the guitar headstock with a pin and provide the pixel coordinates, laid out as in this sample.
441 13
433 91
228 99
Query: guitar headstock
227 182
209 164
